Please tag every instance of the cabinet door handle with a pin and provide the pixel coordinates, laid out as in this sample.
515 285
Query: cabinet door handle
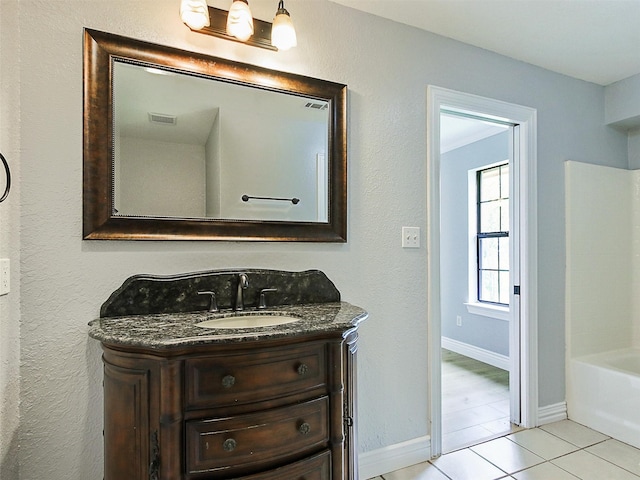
303 369
228 381
229 445
304 428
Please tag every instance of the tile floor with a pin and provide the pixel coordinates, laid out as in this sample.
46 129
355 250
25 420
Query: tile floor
558 451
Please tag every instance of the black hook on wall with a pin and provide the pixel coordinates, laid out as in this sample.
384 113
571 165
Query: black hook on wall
8 172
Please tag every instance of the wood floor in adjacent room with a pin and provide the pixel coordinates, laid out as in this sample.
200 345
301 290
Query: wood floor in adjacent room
475 402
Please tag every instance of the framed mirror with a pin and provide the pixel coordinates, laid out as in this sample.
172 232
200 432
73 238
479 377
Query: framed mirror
184 146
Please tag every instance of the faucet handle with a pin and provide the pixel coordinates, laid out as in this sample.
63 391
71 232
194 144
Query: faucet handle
262 302
213 306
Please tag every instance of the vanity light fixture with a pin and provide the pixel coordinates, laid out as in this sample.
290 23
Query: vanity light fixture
195 13
240 20
158 71
239 25
283 35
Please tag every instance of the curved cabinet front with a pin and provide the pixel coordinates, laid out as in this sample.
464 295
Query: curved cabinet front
126 404
255 410
226 380
250 440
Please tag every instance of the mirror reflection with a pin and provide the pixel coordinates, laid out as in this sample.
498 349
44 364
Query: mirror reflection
187 146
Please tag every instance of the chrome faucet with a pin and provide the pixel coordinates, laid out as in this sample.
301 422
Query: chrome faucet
243 283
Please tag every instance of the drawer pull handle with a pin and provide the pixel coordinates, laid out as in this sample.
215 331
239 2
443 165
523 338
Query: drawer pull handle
228 381
229 445
303 369
304 428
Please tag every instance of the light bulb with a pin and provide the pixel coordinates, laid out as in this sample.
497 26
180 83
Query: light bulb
195 13
283 35
240 20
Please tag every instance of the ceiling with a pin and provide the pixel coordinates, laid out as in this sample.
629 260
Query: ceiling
593 40
456 131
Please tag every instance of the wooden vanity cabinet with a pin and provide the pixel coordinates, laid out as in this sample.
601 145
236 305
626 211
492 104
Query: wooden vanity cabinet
278 409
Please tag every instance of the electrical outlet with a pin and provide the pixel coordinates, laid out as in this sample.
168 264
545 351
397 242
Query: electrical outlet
5 279
410 237
459 321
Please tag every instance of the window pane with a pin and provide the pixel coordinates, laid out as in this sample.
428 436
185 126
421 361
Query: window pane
488 253
503 249
489 286
490 184
490 217
504 287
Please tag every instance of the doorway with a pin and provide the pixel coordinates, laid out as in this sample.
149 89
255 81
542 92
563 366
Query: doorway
516 297
476 233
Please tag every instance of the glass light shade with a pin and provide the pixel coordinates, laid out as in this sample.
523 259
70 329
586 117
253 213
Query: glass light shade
195 13
240 20
283 35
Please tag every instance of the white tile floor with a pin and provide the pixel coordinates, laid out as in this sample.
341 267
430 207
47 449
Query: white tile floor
558 451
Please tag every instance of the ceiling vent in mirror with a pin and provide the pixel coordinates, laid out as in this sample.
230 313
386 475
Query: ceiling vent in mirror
316 106
163 119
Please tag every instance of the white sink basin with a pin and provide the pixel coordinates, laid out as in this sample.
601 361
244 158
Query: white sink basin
247 321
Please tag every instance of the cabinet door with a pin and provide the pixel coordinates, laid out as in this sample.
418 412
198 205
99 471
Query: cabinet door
126 433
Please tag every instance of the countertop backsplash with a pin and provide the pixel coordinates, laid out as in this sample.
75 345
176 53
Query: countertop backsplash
150 294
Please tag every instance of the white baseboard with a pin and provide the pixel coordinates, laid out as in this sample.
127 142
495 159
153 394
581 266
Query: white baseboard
477 353
394 457
552 413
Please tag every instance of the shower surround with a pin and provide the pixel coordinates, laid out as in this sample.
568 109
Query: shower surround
602 298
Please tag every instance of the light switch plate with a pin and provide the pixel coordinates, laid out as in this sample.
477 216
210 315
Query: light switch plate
5 279
410 237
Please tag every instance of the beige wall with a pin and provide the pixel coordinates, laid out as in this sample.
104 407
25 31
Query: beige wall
9 242
153 182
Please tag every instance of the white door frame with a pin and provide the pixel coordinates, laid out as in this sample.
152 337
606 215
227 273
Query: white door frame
526 340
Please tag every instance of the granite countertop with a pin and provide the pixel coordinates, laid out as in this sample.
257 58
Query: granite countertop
167 330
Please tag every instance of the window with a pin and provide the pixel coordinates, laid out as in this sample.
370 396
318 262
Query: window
492 236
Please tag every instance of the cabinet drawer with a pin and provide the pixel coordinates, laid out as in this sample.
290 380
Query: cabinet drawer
317 467
254 377
244 442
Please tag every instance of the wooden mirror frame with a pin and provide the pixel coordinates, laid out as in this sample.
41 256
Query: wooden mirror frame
99 222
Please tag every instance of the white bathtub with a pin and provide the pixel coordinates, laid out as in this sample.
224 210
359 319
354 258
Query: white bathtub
603 392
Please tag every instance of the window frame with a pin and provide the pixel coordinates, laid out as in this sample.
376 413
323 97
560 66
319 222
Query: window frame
474 304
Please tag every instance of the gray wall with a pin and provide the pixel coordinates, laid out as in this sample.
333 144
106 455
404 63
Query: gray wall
622 103
387 67
622 110
482 332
